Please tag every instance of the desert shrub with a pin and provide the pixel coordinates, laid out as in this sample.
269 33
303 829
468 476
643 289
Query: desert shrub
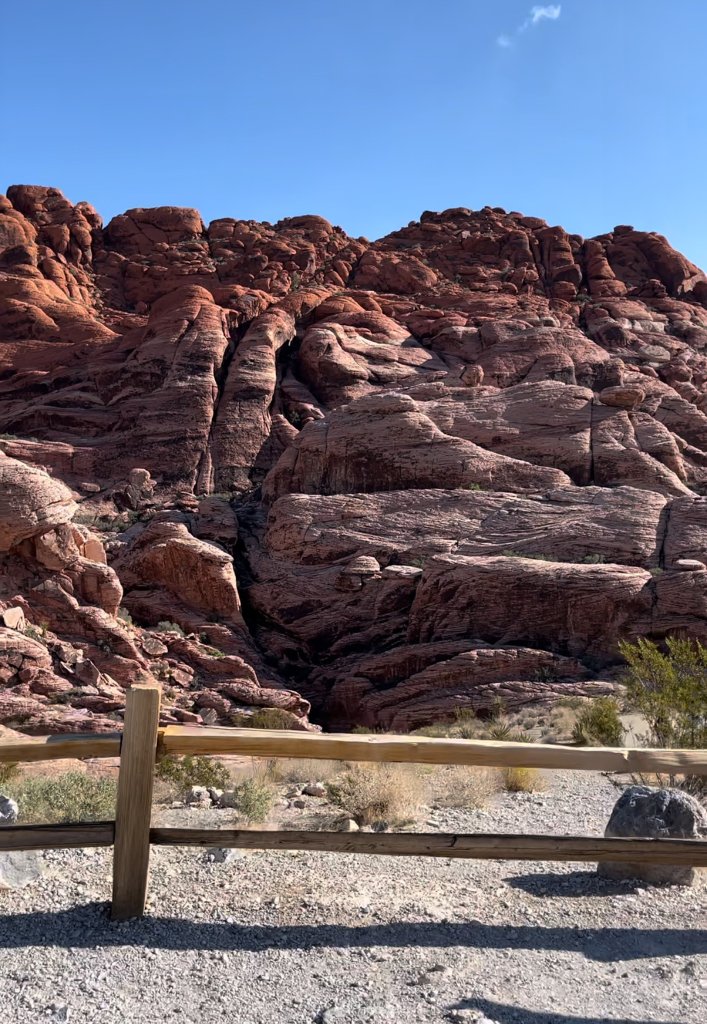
213 652
593 559
598 724
502 730
381 795
669 688
253 799
457 786
38 633
190 770
70 797
522 780
125 616
263 718
572 703
165 626
545 674
434 729
301 770
8 772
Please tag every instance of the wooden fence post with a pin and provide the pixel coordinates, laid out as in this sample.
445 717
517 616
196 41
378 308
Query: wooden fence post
131 854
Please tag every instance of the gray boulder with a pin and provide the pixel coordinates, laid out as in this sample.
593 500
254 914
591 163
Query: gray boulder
17 867
645 812
8 810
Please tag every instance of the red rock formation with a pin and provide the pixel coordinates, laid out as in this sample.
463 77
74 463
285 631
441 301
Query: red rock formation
393 478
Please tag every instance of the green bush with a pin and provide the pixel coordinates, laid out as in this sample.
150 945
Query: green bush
213 652
264 718
72 797
598 724
669 688
253 799
191 770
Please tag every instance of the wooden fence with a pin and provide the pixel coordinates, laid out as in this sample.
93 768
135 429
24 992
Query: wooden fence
143 742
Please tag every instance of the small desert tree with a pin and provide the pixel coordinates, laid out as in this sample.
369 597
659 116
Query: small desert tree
669 688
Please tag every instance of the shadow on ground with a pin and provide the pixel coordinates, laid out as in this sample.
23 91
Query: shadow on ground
574 883
503 1012
88 926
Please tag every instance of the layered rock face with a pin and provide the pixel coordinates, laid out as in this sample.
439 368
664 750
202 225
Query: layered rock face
362 483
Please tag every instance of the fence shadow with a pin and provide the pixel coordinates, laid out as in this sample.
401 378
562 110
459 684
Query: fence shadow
503 1012
88 926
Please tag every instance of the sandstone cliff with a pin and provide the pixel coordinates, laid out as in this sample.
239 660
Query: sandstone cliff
275 466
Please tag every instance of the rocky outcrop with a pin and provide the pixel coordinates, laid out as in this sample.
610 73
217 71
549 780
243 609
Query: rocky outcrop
446 468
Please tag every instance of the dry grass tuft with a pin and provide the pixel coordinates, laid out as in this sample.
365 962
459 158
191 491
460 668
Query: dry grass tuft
383 795
299 771
461 787
522 780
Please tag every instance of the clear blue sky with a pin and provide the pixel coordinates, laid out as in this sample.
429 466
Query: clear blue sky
368 111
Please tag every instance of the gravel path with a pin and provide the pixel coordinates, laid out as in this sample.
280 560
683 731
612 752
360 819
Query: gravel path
299 938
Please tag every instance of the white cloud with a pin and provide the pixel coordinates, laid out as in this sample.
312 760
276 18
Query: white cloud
538 13
552 12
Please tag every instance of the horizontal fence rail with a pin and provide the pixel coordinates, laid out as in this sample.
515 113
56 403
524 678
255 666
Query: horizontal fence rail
142 743
177 739
433 844
57 837
56 748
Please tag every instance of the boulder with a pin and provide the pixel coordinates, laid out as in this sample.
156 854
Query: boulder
644 811
13 618
31 502
8 811
20 868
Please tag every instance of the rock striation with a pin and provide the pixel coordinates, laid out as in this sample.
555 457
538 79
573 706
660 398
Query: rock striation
273 466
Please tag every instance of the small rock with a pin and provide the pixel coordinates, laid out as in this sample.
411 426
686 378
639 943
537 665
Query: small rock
334 1015
299 803
315 789
13 618
215 794
154 647
349 825
198 795
8 811
222 855
467 1016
